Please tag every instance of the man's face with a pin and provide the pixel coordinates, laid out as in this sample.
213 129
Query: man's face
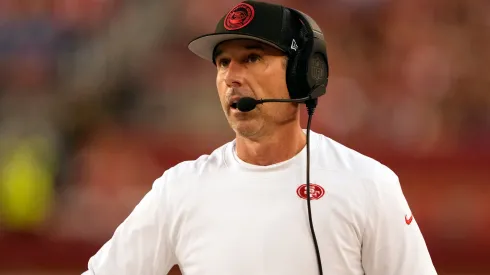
247 68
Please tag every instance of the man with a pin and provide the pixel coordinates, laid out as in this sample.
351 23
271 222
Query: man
241 209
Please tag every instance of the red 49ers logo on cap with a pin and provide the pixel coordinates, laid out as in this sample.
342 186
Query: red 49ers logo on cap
239 17
316 191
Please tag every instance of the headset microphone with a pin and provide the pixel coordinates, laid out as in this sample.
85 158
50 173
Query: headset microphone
247 104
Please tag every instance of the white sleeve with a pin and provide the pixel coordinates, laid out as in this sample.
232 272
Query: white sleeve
392 241
141 243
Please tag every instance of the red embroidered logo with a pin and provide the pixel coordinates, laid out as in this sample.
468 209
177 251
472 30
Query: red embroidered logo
239 17
316 191
408 221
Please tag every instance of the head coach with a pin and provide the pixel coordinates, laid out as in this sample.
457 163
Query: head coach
278 199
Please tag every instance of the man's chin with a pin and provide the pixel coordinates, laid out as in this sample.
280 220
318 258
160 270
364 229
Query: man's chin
246 128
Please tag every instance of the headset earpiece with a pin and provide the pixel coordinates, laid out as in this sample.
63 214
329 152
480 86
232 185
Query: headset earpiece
307 70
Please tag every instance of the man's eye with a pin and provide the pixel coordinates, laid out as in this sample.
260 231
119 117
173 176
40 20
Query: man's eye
252 58
223 62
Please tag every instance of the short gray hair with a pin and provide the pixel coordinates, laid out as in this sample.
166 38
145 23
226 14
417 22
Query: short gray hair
285 61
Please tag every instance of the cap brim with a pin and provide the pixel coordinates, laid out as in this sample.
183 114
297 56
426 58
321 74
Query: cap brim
203 46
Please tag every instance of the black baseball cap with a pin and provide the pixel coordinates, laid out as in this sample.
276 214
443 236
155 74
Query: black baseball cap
268 23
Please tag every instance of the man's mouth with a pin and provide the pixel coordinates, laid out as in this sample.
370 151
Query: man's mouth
233 102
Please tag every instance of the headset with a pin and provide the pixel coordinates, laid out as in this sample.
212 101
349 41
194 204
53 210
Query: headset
307 71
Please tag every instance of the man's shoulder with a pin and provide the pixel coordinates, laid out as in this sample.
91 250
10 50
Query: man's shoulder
193 169
337 156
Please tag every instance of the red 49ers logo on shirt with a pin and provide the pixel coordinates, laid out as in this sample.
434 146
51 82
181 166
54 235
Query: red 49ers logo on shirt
316 191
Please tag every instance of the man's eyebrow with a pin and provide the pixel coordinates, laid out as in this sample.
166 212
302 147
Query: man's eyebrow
217 53
255 47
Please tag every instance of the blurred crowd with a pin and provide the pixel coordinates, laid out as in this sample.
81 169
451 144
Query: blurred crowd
407 76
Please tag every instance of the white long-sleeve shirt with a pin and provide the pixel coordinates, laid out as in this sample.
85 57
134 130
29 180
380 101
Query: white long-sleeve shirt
218 215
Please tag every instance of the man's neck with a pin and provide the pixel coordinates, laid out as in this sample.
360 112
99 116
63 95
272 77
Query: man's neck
281 145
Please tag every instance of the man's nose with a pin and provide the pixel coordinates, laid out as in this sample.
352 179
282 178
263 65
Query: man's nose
234 74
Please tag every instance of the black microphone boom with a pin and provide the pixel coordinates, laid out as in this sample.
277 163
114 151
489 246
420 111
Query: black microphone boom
247 104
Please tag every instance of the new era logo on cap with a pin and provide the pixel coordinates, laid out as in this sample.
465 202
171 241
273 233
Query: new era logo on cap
294 46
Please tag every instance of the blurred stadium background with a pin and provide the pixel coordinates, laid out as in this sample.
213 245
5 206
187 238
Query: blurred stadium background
99 97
